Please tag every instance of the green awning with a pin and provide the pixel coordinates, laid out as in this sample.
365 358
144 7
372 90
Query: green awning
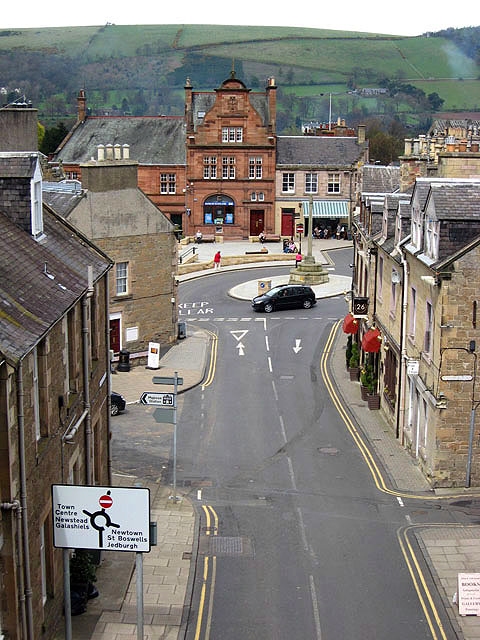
326 208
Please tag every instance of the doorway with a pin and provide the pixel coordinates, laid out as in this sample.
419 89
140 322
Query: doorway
115 335
257 222
288 216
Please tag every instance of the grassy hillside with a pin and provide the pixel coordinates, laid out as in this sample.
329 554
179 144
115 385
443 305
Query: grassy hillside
145 67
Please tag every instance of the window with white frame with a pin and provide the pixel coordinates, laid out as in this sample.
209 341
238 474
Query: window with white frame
121 278
288 183
432 232
416 226
413 313
261 196
380 277
228 168
427 342
209 167
255 168
232 134
37 213
333 184
311 183
253 196
168 183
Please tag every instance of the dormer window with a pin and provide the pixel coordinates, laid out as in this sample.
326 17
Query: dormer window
432 232
36 204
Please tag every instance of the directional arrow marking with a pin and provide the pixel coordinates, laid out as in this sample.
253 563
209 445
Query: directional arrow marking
297 346
240 348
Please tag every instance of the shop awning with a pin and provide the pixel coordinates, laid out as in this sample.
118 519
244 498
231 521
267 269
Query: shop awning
350 324
326 208
372 341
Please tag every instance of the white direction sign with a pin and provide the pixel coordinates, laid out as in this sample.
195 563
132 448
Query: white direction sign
108 518
159 399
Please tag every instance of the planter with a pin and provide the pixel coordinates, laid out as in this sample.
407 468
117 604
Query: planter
354 373
373 401
364 392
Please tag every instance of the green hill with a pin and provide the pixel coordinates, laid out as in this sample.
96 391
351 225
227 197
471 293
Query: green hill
142 69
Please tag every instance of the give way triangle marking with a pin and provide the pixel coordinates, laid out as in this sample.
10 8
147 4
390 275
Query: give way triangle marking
238 335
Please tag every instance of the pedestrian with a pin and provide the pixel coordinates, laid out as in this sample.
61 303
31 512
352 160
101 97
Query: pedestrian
298 259
261 237
198 236
216 260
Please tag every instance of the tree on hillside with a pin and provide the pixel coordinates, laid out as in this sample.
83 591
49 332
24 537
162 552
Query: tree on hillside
435 101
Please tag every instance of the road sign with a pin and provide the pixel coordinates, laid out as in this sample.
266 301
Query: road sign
108 518
166 380
299 228
463 378
158 399
166 416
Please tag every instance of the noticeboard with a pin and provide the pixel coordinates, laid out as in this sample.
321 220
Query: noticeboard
106 518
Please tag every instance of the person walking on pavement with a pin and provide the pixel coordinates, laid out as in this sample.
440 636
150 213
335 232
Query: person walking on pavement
216 260
298 259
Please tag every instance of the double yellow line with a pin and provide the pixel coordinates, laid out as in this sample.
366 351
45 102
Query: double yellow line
208 582
213 360
418 578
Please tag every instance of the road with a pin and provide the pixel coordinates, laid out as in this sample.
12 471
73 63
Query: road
296 540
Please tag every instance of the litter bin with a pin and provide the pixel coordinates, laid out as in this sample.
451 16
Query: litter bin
182 330
124 361
264 286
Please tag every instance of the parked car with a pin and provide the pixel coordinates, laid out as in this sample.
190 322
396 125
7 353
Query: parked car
285 296
118 403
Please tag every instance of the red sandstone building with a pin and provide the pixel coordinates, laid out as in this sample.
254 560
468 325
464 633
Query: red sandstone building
230 150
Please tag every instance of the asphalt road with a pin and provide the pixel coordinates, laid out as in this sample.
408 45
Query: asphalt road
296 541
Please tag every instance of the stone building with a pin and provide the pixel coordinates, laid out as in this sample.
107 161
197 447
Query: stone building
54 389
110 209
320 170
230 156
416 274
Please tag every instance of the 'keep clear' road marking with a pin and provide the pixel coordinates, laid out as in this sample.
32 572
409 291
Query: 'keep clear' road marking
194 309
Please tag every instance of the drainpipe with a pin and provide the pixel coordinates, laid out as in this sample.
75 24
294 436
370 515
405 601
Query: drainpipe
86 379
403 350
109 379
17 510
23 503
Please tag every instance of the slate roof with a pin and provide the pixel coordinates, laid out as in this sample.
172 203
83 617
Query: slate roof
18 165
456 201
31 302
152 139
380 179
318 151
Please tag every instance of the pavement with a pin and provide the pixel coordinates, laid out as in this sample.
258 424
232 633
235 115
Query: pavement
167 580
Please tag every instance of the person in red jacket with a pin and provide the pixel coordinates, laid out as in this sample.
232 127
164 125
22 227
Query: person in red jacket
298 259
216 260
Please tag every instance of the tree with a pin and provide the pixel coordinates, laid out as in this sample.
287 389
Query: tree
52 138
435 101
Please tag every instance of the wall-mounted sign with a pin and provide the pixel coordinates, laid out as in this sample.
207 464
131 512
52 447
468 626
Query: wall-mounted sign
360 306
413 367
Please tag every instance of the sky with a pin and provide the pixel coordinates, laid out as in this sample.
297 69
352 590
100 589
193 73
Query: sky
408 18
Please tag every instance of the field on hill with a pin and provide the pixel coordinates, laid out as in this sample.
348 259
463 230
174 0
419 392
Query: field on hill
142 69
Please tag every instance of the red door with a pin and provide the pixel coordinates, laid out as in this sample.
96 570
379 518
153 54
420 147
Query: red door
257 222
115 335
287 222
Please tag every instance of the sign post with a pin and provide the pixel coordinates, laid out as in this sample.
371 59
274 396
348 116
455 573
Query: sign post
102 518
171 418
